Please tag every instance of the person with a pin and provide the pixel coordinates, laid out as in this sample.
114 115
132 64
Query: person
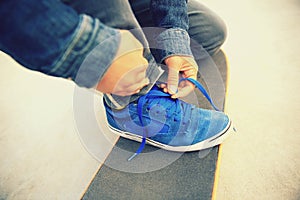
101 45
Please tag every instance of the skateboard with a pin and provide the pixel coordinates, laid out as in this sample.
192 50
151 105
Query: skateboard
160 174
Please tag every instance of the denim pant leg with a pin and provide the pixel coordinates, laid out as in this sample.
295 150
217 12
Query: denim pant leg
205 27
207 32
118 14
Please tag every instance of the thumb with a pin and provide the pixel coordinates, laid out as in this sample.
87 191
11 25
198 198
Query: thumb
173 80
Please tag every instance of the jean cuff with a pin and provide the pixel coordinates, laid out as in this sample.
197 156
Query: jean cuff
173 41
90 53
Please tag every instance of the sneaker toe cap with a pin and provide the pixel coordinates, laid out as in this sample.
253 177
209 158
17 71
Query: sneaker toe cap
212 124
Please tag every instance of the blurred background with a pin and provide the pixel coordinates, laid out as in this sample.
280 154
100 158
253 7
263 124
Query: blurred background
262 161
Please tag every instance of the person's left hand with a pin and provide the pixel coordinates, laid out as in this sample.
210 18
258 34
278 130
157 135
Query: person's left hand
188 68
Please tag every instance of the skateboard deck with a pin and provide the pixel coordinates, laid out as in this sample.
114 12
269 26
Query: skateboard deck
160 174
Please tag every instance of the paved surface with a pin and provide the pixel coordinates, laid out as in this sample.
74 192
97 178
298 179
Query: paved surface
262 161
40 150
45 159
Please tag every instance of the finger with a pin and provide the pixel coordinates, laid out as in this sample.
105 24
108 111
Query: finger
123 94
184 91
136 75
133 89
163 85
190 72
173 81
140 77
139 85
126 93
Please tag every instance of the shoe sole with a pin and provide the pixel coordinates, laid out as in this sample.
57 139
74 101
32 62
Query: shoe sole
205 144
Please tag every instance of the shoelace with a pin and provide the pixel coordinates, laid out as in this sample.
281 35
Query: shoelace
156 95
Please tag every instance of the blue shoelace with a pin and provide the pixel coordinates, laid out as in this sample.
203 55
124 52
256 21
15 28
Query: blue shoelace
155 96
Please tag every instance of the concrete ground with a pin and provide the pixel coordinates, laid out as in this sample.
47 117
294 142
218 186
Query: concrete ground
262 161
42 156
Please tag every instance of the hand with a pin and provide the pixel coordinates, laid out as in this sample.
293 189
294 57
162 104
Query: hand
127 73
188 68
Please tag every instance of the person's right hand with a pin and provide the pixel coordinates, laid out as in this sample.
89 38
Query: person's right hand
127 73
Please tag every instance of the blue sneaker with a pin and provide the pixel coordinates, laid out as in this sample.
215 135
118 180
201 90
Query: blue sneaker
170 124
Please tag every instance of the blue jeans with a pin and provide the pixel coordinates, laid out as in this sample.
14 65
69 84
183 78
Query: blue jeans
205 27
206 30
51 37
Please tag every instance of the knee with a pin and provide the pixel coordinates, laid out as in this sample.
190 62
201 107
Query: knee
206 28
218 37
210 36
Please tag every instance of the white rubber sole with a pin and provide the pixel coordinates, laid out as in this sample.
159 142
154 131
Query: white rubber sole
208 143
